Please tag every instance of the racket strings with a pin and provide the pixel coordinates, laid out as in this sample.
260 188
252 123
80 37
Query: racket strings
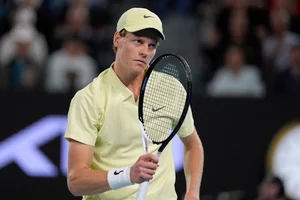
164 101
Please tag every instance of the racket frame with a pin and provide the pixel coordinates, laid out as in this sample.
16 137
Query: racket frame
187 102
143 187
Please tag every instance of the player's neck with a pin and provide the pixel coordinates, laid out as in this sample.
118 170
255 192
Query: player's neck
131 81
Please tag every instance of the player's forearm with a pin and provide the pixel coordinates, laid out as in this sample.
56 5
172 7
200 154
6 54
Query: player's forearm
87 182
193 168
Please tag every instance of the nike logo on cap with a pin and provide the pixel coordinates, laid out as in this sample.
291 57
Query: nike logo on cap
148 16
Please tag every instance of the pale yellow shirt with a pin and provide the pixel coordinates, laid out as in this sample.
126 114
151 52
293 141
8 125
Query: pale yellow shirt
104 114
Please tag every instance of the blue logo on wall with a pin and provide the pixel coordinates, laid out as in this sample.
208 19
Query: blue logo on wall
23 148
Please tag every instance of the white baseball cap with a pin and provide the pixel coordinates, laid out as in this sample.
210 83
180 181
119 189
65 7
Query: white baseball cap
136 19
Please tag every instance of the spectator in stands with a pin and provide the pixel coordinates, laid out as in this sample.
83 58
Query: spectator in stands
53 15
257 17
277 46
24 23
98 10
70 68
271 188
241 36
288 82
76 21
21 71
24 16
236 78
90 18
237 33
293 9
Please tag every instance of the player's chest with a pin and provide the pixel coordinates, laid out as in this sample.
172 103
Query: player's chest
121 124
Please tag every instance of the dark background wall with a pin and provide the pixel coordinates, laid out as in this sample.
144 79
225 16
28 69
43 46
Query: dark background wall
235 135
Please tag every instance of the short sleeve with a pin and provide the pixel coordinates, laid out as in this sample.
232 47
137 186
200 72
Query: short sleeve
187 126
83 123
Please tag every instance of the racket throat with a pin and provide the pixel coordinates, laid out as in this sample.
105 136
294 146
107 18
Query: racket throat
158 154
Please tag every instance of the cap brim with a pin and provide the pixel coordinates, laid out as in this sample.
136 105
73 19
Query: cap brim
139 28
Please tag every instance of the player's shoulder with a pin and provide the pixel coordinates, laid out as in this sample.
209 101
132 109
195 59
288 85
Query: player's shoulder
94 90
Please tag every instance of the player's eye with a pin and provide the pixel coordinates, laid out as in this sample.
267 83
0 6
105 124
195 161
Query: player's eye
153 46
138 41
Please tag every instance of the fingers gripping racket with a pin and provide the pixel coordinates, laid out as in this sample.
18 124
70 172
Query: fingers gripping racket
163 103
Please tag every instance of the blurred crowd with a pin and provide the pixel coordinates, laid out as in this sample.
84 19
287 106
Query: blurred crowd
247 48
251 48
55 46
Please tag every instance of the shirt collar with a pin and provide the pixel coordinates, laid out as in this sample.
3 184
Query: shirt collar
117 84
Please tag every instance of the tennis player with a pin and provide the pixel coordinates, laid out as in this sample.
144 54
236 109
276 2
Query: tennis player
105 158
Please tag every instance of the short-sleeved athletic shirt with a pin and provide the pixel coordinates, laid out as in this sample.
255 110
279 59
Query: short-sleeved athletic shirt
104 115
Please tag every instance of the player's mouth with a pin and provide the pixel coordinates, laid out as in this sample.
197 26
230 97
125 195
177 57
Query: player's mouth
141 62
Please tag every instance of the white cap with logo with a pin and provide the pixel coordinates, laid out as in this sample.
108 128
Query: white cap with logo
136 19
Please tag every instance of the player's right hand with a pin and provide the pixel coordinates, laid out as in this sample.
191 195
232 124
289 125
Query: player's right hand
144 168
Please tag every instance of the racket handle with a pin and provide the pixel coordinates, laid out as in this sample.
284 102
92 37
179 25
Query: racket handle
143 187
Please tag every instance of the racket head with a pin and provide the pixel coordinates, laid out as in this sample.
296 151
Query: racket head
165 97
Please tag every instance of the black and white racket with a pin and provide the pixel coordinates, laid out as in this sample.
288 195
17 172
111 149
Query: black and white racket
163 103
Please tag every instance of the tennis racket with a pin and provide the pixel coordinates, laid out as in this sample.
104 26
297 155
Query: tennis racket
163 103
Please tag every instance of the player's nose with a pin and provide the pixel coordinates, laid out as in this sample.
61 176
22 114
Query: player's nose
144 50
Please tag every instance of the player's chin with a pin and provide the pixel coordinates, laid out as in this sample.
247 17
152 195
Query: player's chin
138 68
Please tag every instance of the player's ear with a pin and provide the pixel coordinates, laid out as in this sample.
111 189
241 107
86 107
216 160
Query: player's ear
117 38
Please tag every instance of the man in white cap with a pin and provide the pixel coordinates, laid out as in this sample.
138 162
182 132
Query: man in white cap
105 160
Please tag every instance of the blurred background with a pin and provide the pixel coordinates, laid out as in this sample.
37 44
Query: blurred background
245 60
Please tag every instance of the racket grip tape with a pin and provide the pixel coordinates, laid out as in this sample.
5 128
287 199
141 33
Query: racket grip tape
142 191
